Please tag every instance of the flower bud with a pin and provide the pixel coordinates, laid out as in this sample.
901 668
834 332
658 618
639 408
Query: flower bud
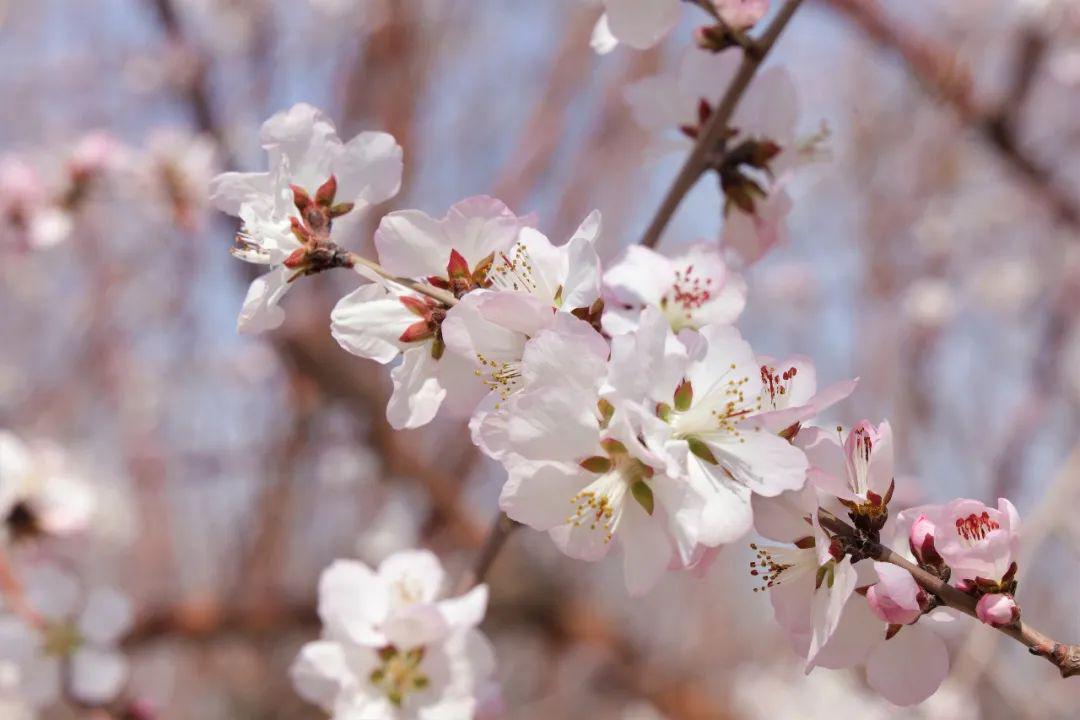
886 607
922 541
997 609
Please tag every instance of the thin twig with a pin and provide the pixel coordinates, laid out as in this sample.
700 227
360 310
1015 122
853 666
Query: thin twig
940 71
700 158
1063 656
423 288
501 529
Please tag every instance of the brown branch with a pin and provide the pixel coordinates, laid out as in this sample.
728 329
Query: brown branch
940 71
702 157
497 535
1066 658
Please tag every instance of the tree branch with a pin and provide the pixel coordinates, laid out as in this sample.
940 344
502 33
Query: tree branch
701 157
501 529
423 288
1066 658
943 75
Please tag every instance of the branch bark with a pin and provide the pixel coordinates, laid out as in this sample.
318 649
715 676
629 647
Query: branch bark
701 157
1063 656
501 529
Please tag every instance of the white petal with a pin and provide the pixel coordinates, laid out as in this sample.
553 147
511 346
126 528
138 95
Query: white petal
260 311
641 23
369 322
646 549
538 494
107 615
766 463
320 672
52 592
228 191
466 610
411 243
415 626
641 276
858 634
352 601
727 515
418 572
602 41
828 606
417 393
368 169
908 668
783 517
97 676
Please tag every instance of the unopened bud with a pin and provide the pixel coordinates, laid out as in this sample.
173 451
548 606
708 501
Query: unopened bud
997 610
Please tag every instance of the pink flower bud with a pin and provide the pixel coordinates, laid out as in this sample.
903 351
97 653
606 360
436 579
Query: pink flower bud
922 540
897 599
886 607
997 609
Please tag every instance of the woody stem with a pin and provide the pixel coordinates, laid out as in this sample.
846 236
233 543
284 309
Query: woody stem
701 158
420 287
499 532
1063 656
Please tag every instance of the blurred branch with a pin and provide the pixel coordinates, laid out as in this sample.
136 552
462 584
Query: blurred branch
702 157
196 89
545 127
499 532
941 72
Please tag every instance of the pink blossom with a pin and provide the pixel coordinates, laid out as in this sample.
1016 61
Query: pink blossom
921 540
974 540
94 153
896 598
790 394
997 609
742 14
860 469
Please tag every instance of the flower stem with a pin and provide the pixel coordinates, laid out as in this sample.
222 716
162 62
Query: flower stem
423 288
699 159
1063 656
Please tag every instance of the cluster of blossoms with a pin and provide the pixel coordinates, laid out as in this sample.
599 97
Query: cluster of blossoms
40 197
630 415
57 638
392 648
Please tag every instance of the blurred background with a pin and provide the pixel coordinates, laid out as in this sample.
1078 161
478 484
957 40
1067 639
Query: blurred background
936 255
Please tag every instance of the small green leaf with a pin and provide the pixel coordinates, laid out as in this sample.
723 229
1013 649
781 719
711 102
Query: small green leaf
684 396
438 347
597 464
606 411
663 411
613 446
644 495
702 450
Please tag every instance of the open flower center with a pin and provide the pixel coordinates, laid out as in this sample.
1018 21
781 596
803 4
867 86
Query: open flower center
859 466
776 387
718 411
500 376
974 528
688 293
600 504
399 674
514 271
774 565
